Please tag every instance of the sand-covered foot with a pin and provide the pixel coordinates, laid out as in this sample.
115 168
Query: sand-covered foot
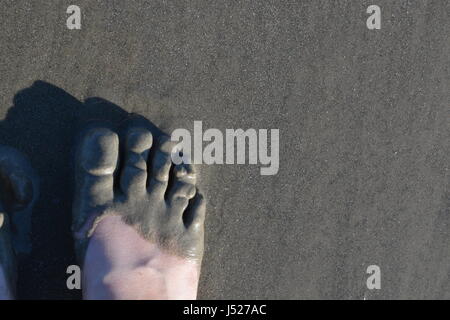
18 189
138 220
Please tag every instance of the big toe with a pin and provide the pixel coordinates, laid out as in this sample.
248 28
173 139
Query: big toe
98 152
17 180
96 162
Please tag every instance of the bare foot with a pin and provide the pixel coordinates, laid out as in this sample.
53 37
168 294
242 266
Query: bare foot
138 220
18 190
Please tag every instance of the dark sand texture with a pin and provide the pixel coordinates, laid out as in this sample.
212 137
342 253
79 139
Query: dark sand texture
363 118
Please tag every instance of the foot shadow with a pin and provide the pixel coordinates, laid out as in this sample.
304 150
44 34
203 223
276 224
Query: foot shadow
43 123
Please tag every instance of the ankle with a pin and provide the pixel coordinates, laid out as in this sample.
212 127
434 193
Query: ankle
162 277
145 283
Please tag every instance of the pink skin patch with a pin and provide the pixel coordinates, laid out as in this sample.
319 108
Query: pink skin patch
5 293
120 264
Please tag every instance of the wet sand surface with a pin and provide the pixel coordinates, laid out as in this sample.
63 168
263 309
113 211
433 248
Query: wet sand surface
363 118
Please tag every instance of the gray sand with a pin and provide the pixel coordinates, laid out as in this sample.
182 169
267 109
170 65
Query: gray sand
364 133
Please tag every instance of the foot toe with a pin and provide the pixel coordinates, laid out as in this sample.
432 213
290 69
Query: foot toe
96 163
183 188
194 217
161 165
99 151
134 175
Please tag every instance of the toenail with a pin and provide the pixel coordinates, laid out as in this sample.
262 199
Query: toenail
99 152
139 140
166 145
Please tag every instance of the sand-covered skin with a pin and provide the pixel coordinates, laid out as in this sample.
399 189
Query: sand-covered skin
157 198
138 219
363 119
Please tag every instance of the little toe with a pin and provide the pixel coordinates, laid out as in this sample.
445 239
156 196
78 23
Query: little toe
183 187
133 179
194 216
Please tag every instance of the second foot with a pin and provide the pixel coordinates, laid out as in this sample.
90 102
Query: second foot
138 219
18 190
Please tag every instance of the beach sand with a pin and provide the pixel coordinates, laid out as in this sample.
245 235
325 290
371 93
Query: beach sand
364 133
